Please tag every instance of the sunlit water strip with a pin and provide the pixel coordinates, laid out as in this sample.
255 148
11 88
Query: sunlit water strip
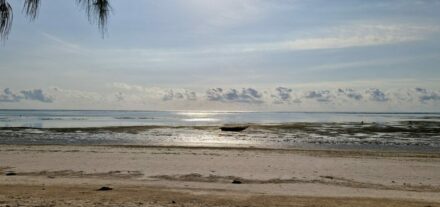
391 131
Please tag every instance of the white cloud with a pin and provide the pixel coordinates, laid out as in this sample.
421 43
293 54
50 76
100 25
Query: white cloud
283 95
348 36
352 35
7 95
182 95
323 96
62 44
376 95
279 98
245 95
127 87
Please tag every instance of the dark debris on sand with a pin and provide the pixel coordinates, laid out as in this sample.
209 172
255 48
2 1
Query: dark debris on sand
105 188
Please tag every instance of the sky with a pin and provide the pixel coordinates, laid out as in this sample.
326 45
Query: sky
226 55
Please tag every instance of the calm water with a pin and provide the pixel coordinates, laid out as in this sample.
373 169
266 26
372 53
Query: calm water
394 131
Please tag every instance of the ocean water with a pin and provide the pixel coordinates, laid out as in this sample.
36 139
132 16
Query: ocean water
388 131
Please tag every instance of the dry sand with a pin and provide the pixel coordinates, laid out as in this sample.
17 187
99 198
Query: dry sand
197 176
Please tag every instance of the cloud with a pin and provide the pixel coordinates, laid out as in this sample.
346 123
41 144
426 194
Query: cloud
34 95
426 95
284 96
65 45
376 95
127 87
278 98
62 93
341 97
164 94
119 96
179 95
354 97
359 35
8 96
350 93
319 95
245 95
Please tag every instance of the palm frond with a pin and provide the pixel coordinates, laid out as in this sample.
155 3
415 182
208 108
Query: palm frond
6 17
30 7
97 11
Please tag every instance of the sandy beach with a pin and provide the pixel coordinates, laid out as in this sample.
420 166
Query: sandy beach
223 103
52 175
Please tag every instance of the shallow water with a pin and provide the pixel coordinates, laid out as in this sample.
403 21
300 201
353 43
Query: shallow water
389 131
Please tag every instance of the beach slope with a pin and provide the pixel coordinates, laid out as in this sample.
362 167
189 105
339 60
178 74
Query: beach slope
197 176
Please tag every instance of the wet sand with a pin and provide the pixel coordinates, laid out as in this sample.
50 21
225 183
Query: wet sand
198 176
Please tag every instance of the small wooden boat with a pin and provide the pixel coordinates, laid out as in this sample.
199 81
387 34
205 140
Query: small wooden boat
233 128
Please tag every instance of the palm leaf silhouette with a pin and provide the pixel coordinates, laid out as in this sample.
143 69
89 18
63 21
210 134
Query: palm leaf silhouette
6 17
30 8
97 12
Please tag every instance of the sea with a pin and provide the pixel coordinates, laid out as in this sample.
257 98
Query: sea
274 130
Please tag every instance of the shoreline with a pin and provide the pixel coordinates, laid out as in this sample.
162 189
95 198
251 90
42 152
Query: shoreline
310 151
406 137
206 174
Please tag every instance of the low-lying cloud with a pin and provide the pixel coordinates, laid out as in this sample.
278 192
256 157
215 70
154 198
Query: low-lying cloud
36 95
377 95
426 95
33 95
245 95
319 95
187 95
350 93
8 96
282 98
284 95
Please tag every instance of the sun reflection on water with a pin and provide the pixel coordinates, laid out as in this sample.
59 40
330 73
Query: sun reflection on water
201 116
201 120
200 113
